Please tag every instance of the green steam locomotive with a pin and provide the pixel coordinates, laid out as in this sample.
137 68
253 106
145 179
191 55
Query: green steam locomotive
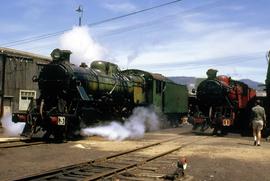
74 96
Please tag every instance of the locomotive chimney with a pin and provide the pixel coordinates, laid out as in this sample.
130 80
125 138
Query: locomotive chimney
83 65
60 55
211 73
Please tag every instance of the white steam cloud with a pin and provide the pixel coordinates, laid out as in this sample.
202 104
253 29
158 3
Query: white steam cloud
11 128
131 57
83 47
142 120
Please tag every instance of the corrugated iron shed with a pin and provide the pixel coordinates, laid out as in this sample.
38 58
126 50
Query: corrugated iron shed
24 54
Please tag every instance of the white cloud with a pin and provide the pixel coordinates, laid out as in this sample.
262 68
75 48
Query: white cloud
32 9
179 40
234 7
8 27
44 47
201 43
120 7
190 25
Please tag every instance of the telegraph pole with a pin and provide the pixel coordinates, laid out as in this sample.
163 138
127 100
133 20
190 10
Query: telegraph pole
80 10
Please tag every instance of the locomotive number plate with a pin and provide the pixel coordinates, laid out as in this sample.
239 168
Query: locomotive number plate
226 122
61 120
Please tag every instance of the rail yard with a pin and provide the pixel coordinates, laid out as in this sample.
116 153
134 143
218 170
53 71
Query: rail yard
153 157
137 91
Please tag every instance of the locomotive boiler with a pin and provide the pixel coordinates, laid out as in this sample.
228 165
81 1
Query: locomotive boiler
72 97
223 103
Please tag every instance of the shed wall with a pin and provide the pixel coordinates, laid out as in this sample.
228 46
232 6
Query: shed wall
16 72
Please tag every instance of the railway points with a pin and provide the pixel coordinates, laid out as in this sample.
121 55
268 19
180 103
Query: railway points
210 158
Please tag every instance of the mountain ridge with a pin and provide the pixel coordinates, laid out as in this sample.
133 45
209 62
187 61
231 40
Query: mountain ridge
192 82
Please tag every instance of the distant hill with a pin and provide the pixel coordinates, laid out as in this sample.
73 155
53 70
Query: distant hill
192 82
253 84
183 80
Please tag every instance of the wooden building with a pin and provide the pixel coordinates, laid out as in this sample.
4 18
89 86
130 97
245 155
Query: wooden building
17 69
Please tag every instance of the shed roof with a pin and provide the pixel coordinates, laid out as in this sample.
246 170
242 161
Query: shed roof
14 52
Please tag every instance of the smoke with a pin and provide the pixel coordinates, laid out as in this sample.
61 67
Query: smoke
132 57
11 128
83 47
141 120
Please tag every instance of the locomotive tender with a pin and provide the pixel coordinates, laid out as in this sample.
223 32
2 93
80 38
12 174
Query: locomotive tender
72 97
223 103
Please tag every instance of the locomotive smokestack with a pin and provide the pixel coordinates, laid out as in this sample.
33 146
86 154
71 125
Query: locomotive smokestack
60 55
211 73
83 65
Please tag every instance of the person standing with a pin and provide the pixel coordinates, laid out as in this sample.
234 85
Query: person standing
258 122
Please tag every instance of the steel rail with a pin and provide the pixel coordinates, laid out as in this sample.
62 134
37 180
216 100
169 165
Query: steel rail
131 166
65 171
12 141
20 145
74 166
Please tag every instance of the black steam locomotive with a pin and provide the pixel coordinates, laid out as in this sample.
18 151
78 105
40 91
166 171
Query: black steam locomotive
222 103
72 97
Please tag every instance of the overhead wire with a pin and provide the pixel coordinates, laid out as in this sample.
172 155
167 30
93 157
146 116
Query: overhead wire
47 35
164 19
211 63
133 27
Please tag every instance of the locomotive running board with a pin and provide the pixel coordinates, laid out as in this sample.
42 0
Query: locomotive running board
82 93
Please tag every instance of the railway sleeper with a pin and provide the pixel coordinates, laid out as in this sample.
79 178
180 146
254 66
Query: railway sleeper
64 178
93 170
129 175
73 174
120 162
134 157
150 168
81 172
104 166
123 178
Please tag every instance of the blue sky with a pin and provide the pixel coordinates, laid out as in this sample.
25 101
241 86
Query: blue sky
181 39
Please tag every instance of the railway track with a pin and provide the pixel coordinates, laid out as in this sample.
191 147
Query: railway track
21 143
11 141
130 165
15 144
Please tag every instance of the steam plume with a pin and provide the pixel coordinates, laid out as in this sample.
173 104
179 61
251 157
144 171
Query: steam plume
142 120
132 57
11 128
82 45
